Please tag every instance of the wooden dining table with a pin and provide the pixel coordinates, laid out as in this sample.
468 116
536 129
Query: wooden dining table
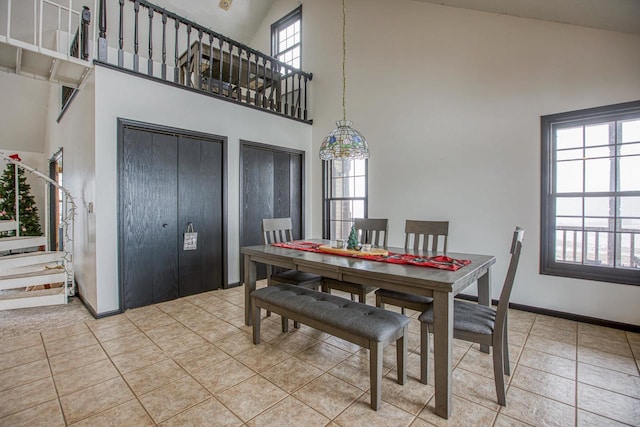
441 285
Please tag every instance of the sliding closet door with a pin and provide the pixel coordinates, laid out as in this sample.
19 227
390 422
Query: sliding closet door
148 186
200 203
271 187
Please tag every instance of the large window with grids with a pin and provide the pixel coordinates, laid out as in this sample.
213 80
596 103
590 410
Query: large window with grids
286 38
345 196
591 194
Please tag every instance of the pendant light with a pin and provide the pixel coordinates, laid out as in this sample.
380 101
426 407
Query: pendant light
344 142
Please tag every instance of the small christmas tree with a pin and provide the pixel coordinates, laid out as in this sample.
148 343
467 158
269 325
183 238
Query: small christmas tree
29 221
353 243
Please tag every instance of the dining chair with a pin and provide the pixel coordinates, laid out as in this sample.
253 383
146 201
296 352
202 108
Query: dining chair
480 324
373 231
419 235
278 230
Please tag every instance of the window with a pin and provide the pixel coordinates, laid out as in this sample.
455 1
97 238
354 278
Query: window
591 194
286 37
345 196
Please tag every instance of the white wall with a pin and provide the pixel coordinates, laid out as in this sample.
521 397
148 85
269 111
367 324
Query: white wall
119 95
450 101
75 134
23 112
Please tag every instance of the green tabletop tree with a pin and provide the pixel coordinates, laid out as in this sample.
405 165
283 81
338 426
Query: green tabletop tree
353 243
29 221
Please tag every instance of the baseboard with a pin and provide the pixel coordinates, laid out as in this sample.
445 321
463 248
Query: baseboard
93 312
562 315
232 285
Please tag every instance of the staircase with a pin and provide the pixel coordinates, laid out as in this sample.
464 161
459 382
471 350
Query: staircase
29 275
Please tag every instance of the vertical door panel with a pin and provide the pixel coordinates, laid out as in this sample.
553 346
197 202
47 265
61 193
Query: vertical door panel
200 202
295 198
148 189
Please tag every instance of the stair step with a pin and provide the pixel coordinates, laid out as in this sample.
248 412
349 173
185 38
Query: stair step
24 299
32 278
21 242
8 225
39 257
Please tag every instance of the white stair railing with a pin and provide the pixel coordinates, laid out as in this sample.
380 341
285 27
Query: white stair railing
66 222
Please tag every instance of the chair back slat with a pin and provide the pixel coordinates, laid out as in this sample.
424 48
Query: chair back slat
430 233
277 230
370 230
505 294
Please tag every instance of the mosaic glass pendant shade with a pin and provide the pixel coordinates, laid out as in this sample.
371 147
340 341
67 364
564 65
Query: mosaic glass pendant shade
344 143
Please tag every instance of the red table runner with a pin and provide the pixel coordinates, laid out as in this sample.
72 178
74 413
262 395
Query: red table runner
441 262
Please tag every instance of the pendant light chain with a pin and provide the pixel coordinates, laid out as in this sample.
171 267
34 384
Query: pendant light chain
344 61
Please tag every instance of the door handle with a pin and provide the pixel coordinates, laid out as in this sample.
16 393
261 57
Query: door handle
165 225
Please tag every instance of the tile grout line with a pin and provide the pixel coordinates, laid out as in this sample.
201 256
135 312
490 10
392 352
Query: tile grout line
55 386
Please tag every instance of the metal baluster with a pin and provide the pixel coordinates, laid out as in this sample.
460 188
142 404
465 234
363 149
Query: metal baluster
229 93
210 61
248 76
136 8
198 74
150 60
258 90
121 37
286 92
84 33
221 57
298 103
176 70
188 72
164 45
272 85
278 88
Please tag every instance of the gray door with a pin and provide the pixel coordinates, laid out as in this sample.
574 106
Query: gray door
272 183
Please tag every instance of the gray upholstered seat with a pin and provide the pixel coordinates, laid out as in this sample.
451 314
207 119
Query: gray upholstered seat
480 324
366 321
467 316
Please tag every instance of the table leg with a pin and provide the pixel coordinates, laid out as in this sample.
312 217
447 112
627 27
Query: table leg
249 286
484 297
442 350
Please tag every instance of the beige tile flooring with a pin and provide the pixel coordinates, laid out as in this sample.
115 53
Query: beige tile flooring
190 362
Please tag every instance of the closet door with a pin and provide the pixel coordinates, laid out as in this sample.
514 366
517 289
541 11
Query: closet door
200 203
271 187
149 235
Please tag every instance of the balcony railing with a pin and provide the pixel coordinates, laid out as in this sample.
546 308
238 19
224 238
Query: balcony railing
596 246
157 43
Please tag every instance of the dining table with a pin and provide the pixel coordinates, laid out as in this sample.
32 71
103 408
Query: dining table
440 284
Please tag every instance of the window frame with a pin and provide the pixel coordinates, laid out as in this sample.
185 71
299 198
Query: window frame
548 263
284 22
327 198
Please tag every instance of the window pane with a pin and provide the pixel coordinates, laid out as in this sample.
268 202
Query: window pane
568 222
568 246
569 176
359 189
569 206
629 167
606 151
629 149
631 224
601 223
629 206
598 175
359 167
629 254
570 154
569 138
631 131
599 206
597 135
597 247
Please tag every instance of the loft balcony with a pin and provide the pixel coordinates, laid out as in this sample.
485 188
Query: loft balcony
61 40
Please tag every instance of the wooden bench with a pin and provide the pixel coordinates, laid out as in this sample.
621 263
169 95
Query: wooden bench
364 325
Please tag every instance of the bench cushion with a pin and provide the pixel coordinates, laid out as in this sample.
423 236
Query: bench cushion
359 319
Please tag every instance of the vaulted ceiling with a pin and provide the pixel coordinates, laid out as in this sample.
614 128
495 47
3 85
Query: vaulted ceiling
243 17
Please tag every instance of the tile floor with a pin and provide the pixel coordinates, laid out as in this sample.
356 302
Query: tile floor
191 362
